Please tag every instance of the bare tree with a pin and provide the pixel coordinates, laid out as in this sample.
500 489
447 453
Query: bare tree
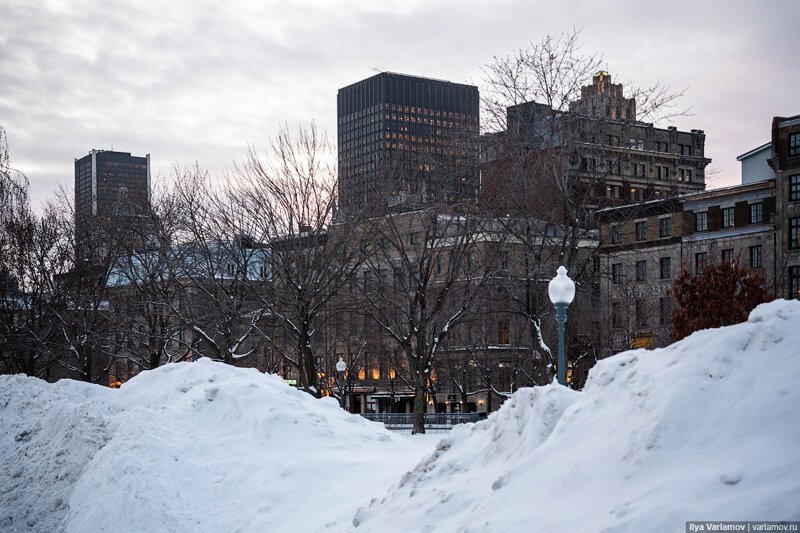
146 288
29 260
553 161
423 271
291 192
217 266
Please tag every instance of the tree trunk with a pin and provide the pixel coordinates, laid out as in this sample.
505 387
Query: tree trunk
420 406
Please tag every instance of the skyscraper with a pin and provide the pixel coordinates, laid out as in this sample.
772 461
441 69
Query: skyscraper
110 184
405 141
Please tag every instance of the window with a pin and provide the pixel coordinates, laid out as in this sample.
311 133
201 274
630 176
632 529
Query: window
413 239
700 260
505 376
504 331
701 221
383 279
641 313
665 267
727 217
440 265
794 283
616 234
503 259
471 261
756 213
662 172
641 230
755 256
794 188
367 281
664 311
794 233
641 270
616 273
727 256
794 144
664 227
616 315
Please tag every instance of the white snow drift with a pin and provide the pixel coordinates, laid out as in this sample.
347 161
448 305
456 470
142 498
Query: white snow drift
706 429
188 447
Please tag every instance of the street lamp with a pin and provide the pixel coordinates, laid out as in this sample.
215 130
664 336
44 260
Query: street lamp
561 291
341 366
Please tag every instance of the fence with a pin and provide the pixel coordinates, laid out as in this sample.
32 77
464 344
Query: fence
433 421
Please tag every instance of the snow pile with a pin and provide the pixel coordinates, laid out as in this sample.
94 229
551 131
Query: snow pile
48 434
706 429
188 447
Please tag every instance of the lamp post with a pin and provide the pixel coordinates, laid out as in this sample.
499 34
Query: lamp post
341 366
561 291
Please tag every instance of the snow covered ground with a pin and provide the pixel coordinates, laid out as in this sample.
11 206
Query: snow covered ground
706 429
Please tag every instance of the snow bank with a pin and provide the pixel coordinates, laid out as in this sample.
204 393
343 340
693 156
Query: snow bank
187 447
706 429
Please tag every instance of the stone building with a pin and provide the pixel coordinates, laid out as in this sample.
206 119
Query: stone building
785 161
599 143
646 246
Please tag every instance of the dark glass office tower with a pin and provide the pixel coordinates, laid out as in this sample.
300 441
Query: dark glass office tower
407 141
110 184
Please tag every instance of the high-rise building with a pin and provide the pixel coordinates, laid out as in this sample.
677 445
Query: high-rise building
406 141
110 184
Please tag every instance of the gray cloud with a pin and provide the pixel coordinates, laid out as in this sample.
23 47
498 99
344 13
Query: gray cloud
198 81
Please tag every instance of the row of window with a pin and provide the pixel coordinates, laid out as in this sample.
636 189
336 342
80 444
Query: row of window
664 270
700 261
640 230
641 313
728 217
613 167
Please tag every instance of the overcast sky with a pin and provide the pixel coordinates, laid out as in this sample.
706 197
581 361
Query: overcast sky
199 81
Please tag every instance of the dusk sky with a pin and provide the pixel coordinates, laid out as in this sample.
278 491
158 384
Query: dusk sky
199 81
